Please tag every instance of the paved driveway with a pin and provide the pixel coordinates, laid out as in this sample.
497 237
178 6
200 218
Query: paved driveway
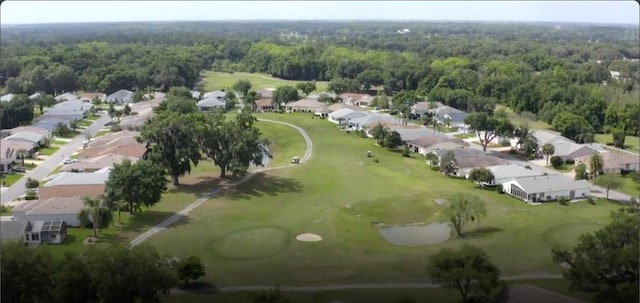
47 166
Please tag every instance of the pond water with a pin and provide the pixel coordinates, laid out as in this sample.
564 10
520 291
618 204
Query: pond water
436 232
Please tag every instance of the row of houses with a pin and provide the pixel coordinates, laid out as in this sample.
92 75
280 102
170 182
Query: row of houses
60 199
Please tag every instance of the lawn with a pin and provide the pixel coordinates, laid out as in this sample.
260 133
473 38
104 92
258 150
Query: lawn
58 142
85 123
9 179
465 136
102 132
5 210
247 235
48 151
71 134
515 119
629 187
630 142
218 80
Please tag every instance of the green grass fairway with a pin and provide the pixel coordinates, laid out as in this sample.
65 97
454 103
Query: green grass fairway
630 142
251 243
218 80
338 194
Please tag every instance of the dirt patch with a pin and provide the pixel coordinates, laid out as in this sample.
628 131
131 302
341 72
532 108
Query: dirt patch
90 241
308 237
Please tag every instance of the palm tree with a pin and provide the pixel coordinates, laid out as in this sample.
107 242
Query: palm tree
447 122
96 213
595 164
548 150
21 154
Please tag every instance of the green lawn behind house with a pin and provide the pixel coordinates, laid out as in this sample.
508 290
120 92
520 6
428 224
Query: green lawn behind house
630 143
219 80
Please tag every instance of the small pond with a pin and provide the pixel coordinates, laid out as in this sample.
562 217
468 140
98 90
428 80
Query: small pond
416 235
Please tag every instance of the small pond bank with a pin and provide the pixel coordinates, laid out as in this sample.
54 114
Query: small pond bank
416 235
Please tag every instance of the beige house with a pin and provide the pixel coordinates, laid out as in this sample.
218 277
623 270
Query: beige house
613 162
307 105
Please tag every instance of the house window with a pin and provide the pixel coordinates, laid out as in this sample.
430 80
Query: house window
35 237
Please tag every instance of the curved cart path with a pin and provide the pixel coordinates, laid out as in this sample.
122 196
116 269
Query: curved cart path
169 221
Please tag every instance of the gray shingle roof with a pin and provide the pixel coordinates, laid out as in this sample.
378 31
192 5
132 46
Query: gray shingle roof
510 171
445 110
26 136
412 134
371 118
460 152
123 95
210 102
346 113
12 229
216 94
549 183
78 179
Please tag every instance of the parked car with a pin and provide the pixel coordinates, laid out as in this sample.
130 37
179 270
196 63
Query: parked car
69 161
18 169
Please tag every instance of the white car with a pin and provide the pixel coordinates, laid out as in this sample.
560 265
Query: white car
69 161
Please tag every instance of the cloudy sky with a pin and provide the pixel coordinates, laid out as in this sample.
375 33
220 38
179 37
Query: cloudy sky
25 12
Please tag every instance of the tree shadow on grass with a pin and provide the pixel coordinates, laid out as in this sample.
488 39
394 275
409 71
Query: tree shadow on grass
142 221
262 184
482 231
197 185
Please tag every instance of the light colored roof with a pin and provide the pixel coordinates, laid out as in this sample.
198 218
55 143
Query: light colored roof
479 161
67 97
26 136
195 94
411 134
266 92
568 148
371 118
512 171
91 96
544 137
217 94
6 98
121 143
444 110
72 106
447 145
549 183
78 179
122 95
210 102
97 163
338 106
12 229
307 103
421 106
55 206
16 144
36 95
432 139
612 160
353 97
339 114
460 153
33 129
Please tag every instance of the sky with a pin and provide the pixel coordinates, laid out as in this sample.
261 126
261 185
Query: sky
30 12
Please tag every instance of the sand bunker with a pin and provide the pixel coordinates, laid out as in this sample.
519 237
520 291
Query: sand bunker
308 237
433 233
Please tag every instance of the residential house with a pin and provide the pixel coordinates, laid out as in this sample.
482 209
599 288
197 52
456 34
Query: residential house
614 163
72 110
67 97
464 165
216 95
7 98
37 139
264 104
456 120
306 105
412 132
50 123
75 184
345 115
336 106
442 110
421 108
546 188
122 143
356 99
458 153
504 173
266 93
319 96
370 119
89 97
614 74
122 96
13 231
16 146
96 163
39 130
568 151
210 104
426 144
53 209
144 112
544 136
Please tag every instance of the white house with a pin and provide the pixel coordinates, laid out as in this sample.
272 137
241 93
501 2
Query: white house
33 232
344 115
210 104
546 188
216 94
504 173
122 96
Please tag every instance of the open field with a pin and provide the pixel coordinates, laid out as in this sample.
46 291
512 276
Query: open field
630 142
247 235
218 80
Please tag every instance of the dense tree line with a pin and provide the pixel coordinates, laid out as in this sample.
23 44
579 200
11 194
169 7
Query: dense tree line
544 69
117 274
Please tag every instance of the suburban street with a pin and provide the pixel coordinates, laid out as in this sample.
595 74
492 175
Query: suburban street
55 160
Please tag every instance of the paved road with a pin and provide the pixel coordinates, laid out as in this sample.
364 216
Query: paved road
47 166
181 214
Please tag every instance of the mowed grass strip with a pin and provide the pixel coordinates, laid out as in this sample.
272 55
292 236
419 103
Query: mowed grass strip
219 80
338 194
631 143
